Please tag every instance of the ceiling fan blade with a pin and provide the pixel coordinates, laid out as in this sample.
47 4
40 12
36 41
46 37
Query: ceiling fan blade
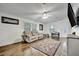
32 13
34 16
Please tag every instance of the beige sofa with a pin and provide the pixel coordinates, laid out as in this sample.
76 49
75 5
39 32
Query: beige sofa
30 36
39 35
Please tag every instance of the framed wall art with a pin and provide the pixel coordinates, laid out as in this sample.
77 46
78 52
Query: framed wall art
9 20
40 27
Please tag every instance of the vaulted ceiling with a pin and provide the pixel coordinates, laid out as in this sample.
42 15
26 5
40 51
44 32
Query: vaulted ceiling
33 11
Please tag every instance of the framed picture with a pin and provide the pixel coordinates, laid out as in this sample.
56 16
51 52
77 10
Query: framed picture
9 20
40 27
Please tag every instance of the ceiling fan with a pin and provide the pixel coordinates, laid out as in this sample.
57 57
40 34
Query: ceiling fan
43 14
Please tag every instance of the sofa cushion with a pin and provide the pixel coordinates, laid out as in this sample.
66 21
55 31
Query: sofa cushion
28 33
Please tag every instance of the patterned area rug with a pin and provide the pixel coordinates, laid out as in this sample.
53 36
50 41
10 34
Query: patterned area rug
46 46
33 52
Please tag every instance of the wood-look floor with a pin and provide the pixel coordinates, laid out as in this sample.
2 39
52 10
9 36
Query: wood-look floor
13 49
17 49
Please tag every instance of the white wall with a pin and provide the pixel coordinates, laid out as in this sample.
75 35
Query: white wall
33 22
10 33
62 26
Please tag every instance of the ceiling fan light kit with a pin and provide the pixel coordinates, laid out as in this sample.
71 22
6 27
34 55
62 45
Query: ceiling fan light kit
44 15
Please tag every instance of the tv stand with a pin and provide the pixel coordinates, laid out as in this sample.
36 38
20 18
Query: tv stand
55 35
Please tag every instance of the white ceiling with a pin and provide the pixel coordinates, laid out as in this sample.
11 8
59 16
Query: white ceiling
33 11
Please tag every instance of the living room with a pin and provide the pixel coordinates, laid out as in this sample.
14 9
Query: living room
36 27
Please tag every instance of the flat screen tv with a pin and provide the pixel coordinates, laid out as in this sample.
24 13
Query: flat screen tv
78 20
71 15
